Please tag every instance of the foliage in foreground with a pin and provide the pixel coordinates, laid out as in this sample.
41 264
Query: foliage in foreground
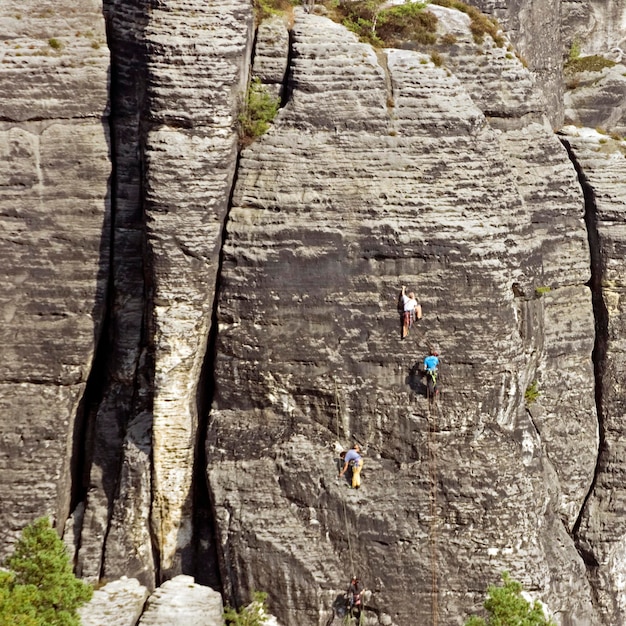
259 110
252 615
506 607
39 588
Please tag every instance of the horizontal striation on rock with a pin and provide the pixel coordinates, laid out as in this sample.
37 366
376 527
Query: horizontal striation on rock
375 175
54 224
534 28
596 99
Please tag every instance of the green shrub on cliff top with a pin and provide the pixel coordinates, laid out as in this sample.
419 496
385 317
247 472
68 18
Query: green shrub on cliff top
407 22
40 588
266 8
480 24
507 607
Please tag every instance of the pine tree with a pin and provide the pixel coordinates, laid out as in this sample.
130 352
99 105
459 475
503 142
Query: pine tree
507 607
41 585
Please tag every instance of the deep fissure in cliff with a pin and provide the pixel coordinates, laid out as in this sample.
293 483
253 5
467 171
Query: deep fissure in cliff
600 345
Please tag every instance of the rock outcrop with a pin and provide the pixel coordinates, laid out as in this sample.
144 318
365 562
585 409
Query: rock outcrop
55 170
181 73
597 99
118 603
164 290
594 26
601 530
535 30
373 176
182 601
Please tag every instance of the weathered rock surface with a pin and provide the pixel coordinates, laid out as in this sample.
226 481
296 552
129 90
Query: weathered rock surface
182 601
183 67
190 155
535 30
598 99
54 241
595 25
602 527
118 603
374 175
271 53
382 169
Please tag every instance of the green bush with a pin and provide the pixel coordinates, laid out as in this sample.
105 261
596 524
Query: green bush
266 8
506 607
252 615
55 44
40 588
259 110
542 289
532 392
407 22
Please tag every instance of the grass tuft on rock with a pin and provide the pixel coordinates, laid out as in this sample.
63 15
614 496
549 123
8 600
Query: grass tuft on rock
259 110
593 63
480 24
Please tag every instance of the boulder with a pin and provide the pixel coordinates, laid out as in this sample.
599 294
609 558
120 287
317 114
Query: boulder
118 603
182 601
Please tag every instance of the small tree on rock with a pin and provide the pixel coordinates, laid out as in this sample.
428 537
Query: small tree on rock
507 607
40 588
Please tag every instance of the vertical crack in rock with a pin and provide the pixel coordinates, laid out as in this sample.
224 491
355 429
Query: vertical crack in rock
601 338
207 571
287 87
115 536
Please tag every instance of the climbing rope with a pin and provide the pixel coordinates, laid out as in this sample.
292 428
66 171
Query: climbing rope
345 519
432 462
337 407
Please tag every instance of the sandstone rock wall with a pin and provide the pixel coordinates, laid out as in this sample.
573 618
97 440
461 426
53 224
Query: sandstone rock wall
382 168
372 177
597 27
55 236
180 70
534 28
601 531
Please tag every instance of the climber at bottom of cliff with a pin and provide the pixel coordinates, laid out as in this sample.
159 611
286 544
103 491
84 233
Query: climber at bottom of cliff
354 597
353 460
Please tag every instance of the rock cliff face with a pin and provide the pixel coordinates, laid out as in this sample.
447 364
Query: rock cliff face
597 27
600 530
55 239
383 191
191 331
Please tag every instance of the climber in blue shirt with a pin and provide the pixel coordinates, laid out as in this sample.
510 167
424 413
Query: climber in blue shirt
431 369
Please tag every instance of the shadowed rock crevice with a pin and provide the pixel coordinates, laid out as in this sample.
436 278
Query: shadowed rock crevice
113 540
207 559
601 339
